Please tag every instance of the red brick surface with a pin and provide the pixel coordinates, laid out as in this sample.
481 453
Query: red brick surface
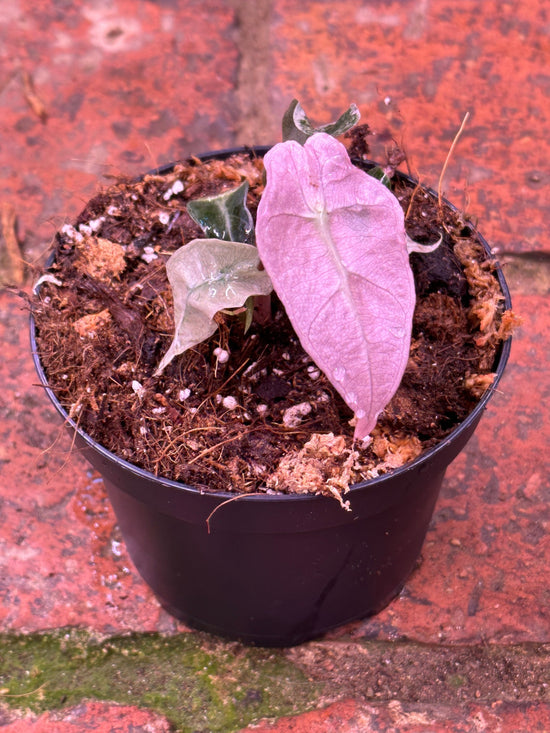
348 715
98 717
112 82
415 68
126 86
395 717
61 559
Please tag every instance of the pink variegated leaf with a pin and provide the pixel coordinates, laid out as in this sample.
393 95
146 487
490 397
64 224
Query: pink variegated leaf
332 239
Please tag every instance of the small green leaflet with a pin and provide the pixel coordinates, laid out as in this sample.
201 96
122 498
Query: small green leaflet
225 216
296 124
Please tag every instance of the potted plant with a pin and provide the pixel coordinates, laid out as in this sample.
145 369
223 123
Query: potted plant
226 417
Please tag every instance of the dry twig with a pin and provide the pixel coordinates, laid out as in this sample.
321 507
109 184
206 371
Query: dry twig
447 159
34 101
13 265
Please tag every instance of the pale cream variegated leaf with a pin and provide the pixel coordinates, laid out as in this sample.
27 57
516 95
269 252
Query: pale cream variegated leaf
207 276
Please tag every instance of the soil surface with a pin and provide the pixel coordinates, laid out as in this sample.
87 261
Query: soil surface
249 411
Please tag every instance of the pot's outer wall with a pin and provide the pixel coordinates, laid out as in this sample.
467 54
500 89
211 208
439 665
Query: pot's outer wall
276 569
275 587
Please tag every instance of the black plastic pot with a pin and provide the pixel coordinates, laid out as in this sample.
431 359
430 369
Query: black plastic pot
271 569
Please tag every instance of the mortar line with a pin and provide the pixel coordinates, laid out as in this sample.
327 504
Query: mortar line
255 123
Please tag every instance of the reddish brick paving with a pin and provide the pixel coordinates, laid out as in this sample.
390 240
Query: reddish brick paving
61 560
98 717
123 90
347 715
395 717
120 87
416 67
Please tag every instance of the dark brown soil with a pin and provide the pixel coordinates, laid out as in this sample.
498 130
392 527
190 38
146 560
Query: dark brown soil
105 323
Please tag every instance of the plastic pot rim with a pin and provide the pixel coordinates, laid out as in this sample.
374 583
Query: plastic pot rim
373 483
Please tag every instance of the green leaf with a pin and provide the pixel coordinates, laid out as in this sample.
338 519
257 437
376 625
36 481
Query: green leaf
225 216
296 124
345 122
207 276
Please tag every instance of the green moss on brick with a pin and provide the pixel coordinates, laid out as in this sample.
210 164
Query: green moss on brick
198 683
